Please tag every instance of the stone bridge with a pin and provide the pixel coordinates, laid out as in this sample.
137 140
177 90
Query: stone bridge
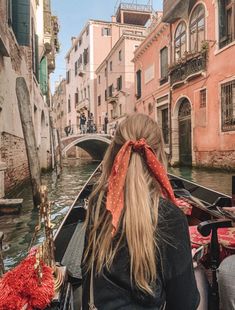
94 144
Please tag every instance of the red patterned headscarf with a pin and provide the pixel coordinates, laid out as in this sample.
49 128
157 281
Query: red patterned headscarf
115 194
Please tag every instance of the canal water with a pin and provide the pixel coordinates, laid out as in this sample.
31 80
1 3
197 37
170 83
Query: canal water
19 229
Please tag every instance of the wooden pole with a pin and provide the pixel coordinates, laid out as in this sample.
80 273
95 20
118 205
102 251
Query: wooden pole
23 98
59 148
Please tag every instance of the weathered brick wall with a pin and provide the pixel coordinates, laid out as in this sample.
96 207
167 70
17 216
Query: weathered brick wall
216 159
14 155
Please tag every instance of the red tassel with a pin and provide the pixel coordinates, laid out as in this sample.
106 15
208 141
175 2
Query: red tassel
22 285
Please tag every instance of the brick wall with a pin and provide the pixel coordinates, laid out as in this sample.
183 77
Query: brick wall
14 155
216 159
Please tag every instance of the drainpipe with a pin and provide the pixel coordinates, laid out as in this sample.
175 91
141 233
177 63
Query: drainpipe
170 100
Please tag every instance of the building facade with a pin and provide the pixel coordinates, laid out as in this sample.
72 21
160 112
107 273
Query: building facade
115 83
151 75
60 109
27 47
88 51
201 72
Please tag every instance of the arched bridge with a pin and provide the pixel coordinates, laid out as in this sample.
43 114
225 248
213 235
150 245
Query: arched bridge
94 144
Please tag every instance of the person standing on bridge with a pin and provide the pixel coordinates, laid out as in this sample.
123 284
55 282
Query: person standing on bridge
106 121
137 252
83 123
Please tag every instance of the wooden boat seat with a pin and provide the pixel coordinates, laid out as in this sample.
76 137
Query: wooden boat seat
73 254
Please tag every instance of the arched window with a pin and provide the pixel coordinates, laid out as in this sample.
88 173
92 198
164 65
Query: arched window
180 41
197 28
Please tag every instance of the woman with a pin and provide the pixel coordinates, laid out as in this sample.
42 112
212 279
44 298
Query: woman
137 243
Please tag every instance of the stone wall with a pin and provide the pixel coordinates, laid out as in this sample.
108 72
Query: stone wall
14 155
216 159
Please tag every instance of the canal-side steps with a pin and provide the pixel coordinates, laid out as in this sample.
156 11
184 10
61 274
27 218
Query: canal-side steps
10 206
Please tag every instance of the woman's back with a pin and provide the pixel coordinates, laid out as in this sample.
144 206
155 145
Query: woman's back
137 243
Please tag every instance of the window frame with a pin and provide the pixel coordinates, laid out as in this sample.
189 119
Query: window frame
195 23
179 38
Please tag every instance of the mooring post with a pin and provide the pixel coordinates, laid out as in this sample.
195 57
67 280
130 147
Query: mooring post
25 110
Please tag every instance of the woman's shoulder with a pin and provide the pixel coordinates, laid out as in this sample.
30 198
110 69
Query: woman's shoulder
168 209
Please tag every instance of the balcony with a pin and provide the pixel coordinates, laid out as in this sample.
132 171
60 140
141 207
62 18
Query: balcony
82 105
174 9
188 69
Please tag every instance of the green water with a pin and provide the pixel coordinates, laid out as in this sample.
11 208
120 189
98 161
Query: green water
18 229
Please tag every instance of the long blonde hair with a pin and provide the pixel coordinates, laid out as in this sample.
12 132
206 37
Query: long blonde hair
139 219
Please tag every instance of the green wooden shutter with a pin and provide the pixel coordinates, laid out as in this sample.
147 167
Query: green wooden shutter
36 57
43 76
21 21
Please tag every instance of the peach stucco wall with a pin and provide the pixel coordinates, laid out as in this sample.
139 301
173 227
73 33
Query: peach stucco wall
211 146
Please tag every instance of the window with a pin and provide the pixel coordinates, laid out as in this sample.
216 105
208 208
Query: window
85 93
226 22
197 28
111 66
76 68
120 55
119 83
164 65
165 124
105 94
87 30
21 21
105 72
69 105
99 100
111 90
80 42
76 47
99 79
228 106
138 84
106 32
180 41
120 109
85 56
79 62
203 98
76 97
68 76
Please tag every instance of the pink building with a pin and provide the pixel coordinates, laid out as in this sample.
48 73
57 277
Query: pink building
115 82
201 88
89 49
152 83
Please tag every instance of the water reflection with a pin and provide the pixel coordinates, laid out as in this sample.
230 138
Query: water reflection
217 180
18 229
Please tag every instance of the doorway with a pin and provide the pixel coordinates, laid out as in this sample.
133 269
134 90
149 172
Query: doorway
185 130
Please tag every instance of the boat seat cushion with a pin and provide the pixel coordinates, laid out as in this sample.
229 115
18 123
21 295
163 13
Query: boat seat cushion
184 206
226 237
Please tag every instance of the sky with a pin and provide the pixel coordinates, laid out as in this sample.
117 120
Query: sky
73 15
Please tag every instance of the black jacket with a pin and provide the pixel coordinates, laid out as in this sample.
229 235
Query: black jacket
176 282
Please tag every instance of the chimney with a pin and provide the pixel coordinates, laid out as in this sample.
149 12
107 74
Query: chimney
73 40
114 18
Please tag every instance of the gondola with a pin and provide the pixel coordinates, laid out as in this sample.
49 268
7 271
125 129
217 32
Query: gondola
206 209
206 205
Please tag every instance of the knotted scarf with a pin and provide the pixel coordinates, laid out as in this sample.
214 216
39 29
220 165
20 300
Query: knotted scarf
116 181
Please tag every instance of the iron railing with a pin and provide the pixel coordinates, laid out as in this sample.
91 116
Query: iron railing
135 7
188 67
